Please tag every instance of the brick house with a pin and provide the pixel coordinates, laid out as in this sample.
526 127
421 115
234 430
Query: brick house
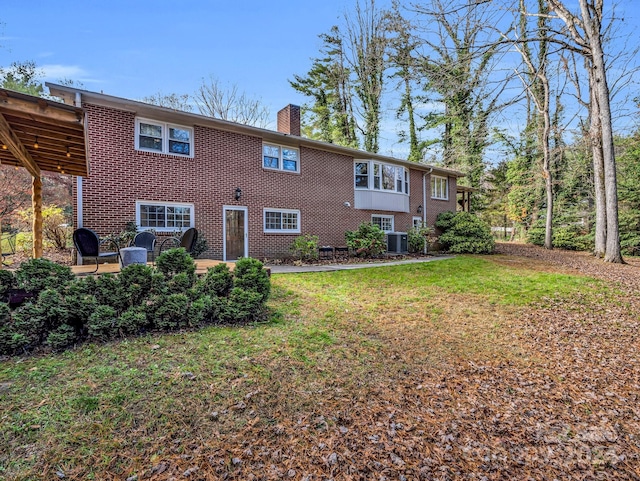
248 191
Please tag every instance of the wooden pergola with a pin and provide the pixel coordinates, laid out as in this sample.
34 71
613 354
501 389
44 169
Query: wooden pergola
41 135
464 197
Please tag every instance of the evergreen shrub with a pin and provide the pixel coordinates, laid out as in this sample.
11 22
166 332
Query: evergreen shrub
465 233
67 310
217 281
35 275
250 275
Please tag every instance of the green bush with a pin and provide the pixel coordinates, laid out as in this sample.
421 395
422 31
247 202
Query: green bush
536 233
6 330
305 247
251 275
367 241
242 305
7 281
204 309
465 234
35 275
417 238
171 311
53 309
444 221
218 281
176 261
570 237
101 323
102 308
132 321
111 292
11 341
62 337
136 280
28 327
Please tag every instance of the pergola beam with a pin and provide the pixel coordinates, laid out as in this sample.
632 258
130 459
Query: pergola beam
41 108
9 138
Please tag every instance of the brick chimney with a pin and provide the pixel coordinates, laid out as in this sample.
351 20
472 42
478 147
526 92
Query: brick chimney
289 120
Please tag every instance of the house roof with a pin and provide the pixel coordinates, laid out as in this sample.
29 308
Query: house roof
68 95
58 129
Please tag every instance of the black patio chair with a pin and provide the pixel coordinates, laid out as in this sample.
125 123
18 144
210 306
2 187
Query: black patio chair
147 240
8 245
88 244
187 240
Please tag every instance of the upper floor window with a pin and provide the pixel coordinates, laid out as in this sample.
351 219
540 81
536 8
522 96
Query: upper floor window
163 216
153 136
384 177
279 157
439 188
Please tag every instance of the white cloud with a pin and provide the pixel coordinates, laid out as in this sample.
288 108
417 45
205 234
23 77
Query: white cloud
55 73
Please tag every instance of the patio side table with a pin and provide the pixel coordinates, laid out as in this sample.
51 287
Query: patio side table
133 255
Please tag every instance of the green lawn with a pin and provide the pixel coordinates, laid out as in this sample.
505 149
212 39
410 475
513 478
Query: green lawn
337 354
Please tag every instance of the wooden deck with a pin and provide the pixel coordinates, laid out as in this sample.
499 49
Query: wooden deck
201 267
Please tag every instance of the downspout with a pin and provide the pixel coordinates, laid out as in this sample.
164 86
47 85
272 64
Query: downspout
424 202
78 103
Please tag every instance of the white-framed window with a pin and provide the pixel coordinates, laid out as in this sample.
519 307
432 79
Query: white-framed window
382 177
417 222
439 188
281 221
280 157
385 222
164 216
161 137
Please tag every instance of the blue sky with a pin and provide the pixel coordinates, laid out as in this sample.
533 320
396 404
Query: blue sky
134 49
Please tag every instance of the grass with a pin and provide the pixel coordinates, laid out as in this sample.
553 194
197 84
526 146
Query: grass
111 411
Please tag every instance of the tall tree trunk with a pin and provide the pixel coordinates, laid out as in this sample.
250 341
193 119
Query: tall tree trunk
586 32
592 18
595 138
546 163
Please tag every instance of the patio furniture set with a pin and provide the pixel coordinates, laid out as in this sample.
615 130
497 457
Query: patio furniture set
88 244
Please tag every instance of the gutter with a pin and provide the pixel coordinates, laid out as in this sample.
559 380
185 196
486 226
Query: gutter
424 203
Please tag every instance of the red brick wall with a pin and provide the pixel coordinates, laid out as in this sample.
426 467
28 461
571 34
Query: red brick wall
436 206
120 175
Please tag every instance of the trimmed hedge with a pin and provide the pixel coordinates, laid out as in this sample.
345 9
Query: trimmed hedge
67 310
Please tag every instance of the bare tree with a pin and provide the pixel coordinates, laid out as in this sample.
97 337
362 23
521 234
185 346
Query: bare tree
15 185
538 89
585 29
367 37
171 101
214 100
403 45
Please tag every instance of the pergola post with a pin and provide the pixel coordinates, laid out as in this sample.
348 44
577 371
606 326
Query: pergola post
36 202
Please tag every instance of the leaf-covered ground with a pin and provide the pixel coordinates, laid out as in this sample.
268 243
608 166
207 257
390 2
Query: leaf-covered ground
403 373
